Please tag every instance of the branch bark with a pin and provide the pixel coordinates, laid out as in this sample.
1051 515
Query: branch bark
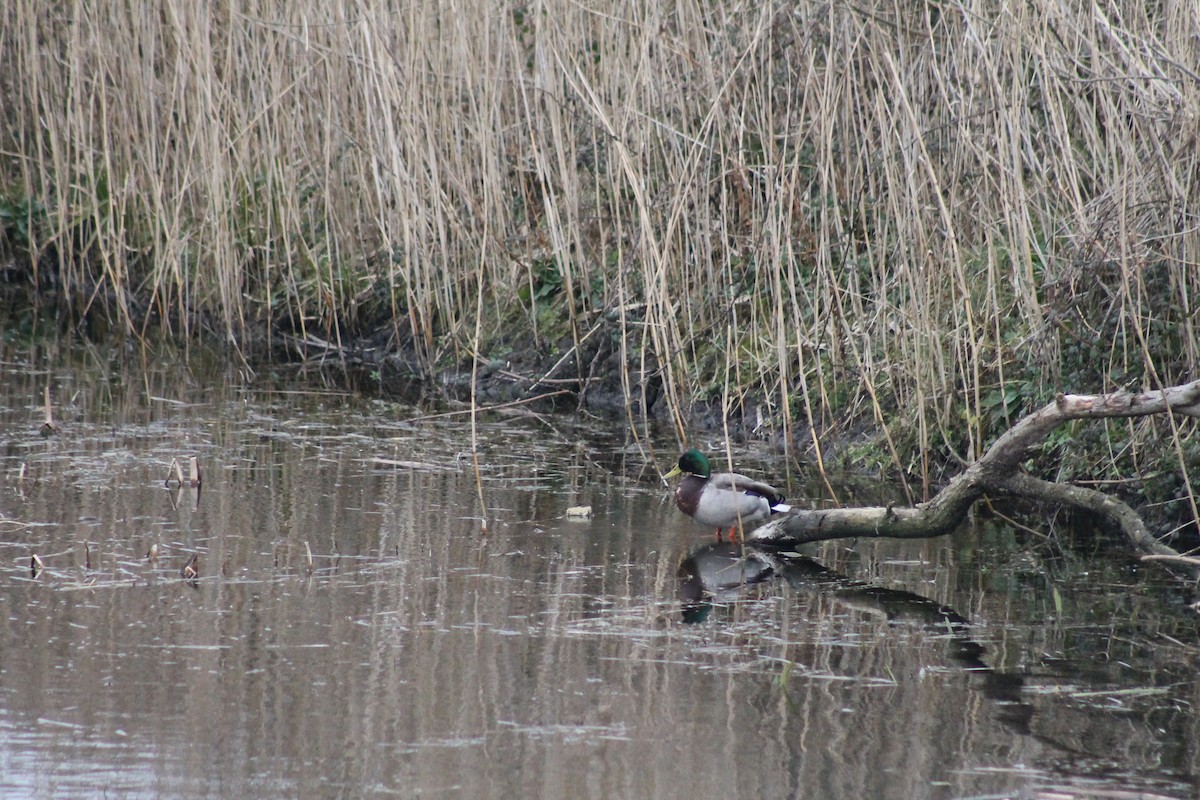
998 472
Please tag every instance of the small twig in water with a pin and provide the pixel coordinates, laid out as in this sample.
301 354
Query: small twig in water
465 411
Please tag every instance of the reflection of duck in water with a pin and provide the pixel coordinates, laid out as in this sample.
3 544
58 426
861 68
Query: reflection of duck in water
724 500
719 572
724 572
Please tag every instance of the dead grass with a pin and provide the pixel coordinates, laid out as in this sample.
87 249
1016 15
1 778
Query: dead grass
927 215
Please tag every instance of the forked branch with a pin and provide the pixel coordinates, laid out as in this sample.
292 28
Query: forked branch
998 472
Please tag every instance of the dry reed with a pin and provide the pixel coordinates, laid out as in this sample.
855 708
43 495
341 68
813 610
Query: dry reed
925 216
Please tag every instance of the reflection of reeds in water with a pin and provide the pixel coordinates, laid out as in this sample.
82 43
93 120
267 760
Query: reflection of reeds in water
434 645
928 231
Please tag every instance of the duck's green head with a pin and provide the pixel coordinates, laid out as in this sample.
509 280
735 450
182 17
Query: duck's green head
693 462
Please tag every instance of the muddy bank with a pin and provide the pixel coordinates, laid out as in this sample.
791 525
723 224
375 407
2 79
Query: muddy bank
551 373
563 377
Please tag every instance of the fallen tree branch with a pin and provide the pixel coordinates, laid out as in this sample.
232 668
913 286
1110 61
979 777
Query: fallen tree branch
998 472
1120 513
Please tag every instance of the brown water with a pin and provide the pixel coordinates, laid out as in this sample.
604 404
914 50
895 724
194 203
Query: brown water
552 658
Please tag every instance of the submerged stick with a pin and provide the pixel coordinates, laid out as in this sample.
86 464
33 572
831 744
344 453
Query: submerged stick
480 409
190 571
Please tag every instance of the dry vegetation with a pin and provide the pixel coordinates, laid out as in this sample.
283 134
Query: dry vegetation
927 217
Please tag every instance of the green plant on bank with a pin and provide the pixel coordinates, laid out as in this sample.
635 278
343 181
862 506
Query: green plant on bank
545 281
21 220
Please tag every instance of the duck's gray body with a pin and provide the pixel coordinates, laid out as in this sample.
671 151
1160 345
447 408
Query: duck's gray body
726 499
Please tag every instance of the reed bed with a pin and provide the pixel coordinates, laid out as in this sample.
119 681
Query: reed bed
925 217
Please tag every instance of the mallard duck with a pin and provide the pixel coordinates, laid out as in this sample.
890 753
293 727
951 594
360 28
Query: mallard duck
725 500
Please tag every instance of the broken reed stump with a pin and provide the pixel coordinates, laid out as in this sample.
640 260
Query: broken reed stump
175 475
48 428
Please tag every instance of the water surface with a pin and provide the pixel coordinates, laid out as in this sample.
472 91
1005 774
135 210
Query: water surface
415 656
